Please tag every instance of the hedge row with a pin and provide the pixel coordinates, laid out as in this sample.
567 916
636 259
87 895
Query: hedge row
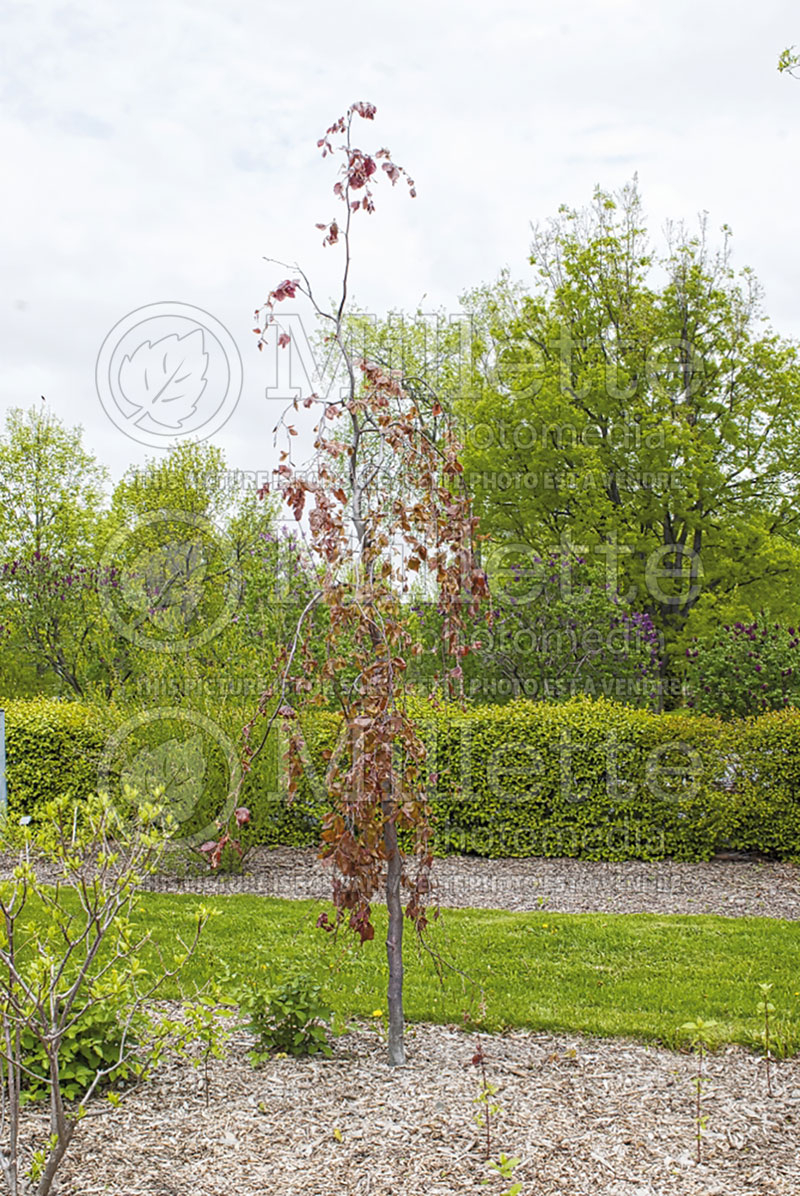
57 748
53 749
586 778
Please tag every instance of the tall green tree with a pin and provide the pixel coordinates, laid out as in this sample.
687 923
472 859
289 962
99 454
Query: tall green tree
52 493
51 487
635 404
191 478
207 580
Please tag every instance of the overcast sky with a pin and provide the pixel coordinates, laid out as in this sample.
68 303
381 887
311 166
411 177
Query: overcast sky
155 152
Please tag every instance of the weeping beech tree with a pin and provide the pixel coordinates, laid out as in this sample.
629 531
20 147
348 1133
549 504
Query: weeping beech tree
382 508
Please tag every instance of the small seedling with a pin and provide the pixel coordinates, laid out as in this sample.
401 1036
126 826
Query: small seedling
766 1007
202 1019
485 1097
701 1041
504 1166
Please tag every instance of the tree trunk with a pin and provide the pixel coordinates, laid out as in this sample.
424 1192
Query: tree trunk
394 945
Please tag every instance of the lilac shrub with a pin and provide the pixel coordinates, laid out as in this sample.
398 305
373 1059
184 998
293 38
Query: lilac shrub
559 629
744 668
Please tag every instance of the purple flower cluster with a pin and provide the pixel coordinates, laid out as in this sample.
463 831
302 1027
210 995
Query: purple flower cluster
745 668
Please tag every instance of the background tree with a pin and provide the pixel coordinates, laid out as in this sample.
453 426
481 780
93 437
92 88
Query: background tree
52 497
58 639
211 578
557 629
181 585
51 488
652 418
169 545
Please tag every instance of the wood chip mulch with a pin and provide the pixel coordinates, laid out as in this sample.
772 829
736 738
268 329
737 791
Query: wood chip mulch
730 887
584 1117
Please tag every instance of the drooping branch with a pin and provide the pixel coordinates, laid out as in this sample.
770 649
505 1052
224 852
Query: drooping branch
385 506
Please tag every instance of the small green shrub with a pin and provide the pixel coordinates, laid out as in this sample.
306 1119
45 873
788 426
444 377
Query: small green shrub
74 990
93 1043
289 1018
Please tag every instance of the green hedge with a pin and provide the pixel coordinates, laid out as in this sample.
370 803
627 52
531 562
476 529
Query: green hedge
587 778
53 749
766 805
298 823
58 748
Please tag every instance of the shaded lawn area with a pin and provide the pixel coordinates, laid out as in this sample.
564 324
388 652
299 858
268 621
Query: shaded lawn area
632 975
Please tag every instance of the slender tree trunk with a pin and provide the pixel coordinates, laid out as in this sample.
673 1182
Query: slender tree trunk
394 945
663 683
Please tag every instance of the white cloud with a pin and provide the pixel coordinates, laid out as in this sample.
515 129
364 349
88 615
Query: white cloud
156 152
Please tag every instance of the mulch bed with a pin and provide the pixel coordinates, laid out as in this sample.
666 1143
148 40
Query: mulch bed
584 1116
732 887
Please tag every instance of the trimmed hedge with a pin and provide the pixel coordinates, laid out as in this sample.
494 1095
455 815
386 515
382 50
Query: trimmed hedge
53 749
587 778
56 748
766 784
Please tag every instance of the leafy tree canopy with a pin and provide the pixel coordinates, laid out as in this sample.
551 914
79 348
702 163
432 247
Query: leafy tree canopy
51 487
637 404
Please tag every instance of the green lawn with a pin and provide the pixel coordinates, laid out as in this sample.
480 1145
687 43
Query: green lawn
634 975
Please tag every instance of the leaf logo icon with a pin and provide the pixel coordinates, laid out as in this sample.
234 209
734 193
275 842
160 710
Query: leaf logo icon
177 767
165 379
